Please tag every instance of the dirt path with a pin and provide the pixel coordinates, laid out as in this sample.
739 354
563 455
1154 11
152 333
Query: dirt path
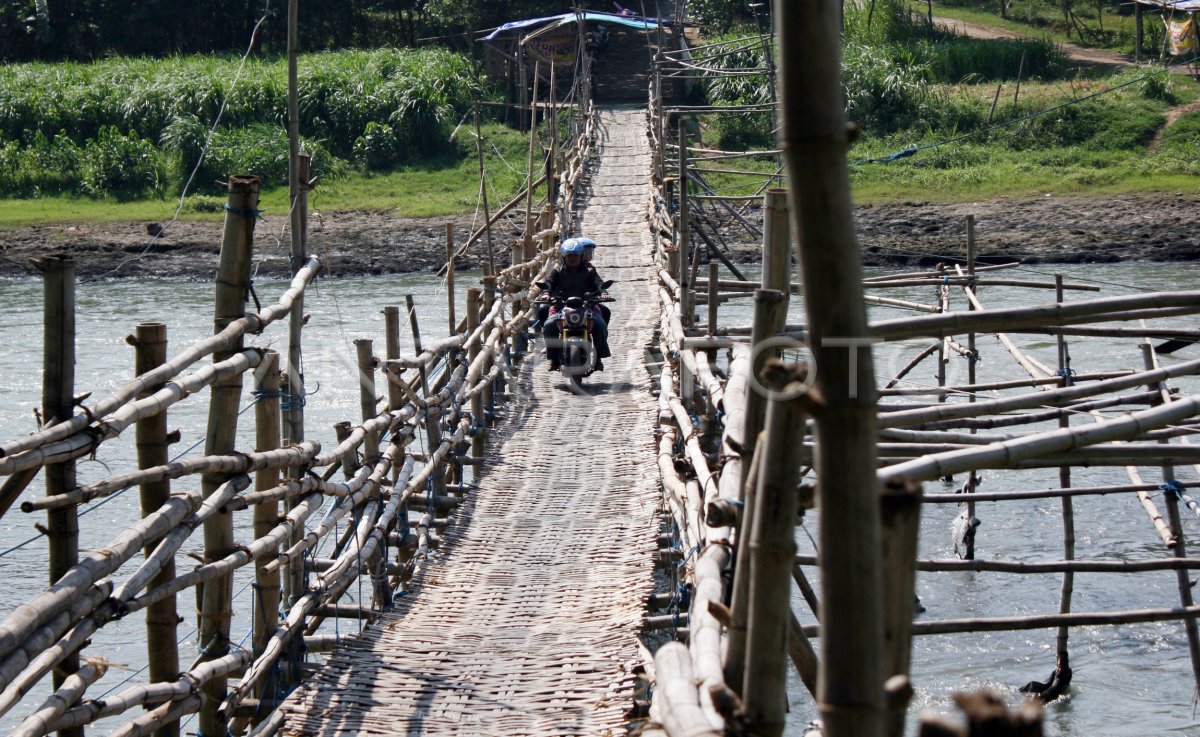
1078 53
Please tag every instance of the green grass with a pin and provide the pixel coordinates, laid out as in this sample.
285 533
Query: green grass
1045 20
445 185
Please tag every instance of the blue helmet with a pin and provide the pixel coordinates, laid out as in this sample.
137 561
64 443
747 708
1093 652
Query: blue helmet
574 246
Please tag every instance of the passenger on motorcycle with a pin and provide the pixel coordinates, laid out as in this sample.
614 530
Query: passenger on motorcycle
574 278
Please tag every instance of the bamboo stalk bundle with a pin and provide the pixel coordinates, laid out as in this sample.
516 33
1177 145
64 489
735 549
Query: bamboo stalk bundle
1006 454
677 696
231 333
228 464
996 496
38 723
20 623
171 711
905 418
46 635
185 685
261 547
1073 565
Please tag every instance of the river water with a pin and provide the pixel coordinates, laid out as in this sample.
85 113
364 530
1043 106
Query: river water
1133 680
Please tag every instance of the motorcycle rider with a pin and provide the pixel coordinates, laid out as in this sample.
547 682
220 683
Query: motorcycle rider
575 278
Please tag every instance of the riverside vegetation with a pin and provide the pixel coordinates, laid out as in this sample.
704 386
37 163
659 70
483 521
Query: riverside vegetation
118 138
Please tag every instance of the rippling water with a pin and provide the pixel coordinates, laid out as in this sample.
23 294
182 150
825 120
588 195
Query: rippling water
1133 680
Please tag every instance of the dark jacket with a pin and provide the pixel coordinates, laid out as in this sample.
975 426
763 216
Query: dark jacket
575 282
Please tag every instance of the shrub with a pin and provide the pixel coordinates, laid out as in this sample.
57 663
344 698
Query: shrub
121 165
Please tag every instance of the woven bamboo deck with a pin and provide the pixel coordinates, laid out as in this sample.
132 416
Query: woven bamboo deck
527 623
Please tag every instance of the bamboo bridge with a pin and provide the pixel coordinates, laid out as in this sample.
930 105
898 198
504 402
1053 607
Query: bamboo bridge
512 550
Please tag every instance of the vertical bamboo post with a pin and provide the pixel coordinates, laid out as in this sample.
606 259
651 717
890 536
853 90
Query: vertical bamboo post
1068 509
483 189
527 236
814 140
150 343
58 405
1182 576
714 299
770 311
268 428
683 237
552 174
489 299
900 524
433 428
660 158
777 253
450 296
479 439
233 287
391 333
522 89
972 363
773 551
364 349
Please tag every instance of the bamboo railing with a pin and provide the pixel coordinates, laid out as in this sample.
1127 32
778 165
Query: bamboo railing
380 517
720 483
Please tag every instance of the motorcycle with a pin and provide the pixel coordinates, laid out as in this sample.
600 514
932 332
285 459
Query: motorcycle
575 316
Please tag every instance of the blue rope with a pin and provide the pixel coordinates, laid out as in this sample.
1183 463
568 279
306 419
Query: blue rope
1171 487
245 212
1067 375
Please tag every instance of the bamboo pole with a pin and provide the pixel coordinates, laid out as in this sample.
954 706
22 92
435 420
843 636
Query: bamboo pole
772 549
58 404
479 437
777 247
713 303
391 332
683 232
433 428
814 139
450 296
489 300
769 310
150 342
1068 509
233 286
1179 549
268 429
367 399
487 217
527 235
901 522
972 367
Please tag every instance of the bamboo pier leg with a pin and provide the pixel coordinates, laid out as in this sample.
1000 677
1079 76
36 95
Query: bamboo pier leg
433 428
233 288
479 439
714 303
777 245
683 237
770 310
391 332
367 399
1180 548
268 423
901 523
773 549
58 405
527 234
150 343
813 136
489 299
483 189
450 296
1068 508
972 364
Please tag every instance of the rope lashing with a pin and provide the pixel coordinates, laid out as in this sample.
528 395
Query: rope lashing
245 212
1067 375
1171 488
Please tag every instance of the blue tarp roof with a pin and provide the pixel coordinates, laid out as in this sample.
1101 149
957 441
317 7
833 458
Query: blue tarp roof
642 24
